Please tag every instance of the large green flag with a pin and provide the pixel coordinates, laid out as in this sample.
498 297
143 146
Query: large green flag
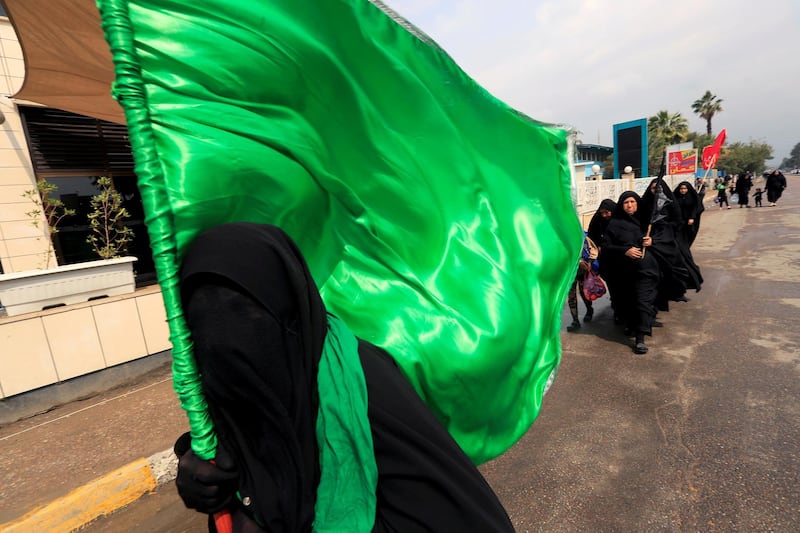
436 220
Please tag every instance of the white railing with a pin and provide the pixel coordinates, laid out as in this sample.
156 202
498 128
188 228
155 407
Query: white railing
589 194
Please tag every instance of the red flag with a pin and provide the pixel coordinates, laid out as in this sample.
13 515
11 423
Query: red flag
711 153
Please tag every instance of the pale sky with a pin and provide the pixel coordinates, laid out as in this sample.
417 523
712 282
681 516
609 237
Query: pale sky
594 63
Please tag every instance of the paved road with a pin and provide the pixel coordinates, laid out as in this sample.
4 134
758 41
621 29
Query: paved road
700 434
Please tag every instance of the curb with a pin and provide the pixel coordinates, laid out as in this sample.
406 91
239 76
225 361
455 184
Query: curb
99 497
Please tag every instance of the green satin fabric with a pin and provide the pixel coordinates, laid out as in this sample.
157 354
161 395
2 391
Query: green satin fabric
437 221
346 495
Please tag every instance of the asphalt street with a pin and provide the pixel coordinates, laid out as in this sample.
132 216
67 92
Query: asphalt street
700 434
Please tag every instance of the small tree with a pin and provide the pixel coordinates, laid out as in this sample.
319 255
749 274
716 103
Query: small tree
51 208
109 235
793 161
738 157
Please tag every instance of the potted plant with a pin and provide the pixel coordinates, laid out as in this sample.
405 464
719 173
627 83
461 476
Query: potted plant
109 235
112 275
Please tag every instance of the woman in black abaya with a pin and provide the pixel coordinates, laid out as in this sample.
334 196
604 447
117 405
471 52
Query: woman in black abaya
775 184
743 184
662 222
600 220
259 330
626 253
691 208
596 231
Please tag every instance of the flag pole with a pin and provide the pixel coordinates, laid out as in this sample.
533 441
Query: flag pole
705 176
661 171
715 150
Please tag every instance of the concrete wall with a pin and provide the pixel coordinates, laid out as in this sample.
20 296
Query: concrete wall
48 347
22 245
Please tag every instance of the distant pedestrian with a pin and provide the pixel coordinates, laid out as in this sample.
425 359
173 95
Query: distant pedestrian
775 185
743 185
691 209
722 194
757 196
700 186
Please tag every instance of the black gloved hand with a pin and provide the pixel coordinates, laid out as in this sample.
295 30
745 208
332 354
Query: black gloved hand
202 485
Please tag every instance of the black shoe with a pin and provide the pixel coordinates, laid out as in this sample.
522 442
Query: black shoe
574 326
682 299
588 316
657 324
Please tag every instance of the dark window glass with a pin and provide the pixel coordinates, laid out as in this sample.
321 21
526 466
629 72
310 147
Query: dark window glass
629 146
71 243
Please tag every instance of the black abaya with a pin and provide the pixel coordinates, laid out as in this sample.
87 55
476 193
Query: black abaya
632 282
691 208
678 269
743 185
775 184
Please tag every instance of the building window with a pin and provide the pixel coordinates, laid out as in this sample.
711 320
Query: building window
71 152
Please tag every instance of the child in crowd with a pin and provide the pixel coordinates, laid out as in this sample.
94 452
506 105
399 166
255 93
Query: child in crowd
722 194
757 196
588 262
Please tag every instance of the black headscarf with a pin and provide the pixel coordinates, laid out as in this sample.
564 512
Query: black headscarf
624 230
619 208
258 326
689 203
670 212
598 224
675 260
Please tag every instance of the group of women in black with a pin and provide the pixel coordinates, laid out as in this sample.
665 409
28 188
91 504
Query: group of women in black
645 257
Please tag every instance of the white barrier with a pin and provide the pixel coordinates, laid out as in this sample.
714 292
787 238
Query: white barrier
589 194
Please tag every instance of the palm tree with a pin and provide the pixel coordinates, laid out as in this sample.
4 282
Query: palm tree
670 127
663 128
706 107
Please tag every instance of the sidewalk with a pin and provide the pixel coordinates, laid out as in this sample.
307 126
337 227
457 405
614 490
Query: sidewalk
64 468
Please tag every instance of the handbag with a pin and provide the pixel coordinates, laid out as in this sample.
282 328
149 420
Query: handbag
590 250
593 286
